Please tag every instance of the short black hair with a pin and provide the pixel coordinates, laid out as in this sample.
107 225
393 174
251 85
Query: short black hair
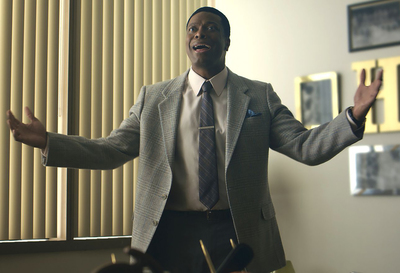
224 20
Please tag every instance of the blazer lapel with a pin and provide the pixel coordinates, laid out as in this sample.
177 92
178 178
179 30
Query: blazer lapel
169 110
238 103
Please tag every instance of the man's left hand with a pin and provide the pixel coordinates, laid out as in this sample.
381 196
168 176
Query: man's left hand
365 95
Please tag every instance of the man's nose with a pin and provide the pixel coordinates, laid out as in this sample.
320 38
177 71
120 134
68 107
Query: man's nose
200 34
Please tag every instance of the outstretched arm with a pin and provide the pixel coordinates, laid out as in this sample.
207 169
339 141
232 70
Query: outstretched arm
365 95
32 134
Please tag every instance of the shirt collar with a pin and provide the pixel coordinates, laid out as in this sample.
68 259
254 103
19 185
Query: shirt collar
218 81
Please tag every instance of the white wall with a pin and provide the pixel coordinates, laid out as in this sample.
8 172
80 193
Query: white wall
324 229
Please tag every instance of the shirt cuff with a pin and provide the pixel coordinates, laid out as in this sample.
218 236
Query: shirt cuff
45 151
353 124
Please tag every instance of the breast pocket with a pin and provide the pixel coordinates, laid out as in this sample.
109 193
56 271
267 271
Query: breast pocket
255 126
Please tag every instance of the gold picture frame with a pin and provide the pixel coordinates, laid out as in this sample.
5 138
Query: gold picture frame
317 98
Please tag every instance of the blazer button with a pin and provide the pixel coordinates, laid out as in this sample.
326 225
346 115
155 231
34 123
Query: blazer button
155 223
164 196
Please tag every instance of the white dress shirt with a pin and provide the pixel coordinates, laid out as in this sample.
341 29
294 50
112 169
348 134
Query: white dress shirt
184 193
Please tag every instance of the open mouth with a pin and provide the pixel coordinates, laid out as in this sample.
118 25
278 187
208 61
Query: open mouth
201 47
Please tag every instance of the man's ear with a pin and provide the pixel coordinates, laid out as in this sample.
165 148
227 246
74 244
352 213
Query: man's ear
227 44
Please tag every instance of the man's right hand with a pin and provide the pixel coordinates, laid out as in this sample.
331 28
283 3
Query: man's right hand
32 134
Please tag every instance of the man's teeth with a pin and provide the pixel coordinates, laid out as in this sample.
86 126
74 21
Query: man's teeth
201 47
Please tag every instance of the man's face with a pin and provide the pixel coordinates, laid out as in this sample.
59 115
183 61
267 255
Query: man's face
206 44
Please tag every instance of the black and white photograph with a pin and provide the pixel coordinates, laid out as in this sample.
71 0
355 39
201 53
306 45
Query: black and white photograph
317 98
374 170
373 25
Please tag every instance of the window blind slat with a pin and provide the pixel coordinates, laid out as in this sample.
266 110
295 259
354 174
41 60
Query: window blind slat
52 115
40 112
106 185
5 85
62 126
138 46
189 10
118 97
96 77
182 35
16 100
157 41
175 38
166 40
128 172
28 99
85 114
147 43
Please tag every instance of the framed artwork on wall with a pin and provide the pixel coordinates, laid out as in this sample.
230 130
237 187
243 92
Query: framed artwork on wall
374 170
317 98
373 24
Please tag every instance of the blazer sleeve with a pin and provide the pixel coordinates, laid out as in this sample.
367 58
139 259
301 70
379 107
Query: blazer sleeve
312 147
106 153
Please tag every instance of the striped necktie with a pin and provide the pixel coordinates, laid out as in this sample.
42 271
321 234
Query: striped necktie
208 174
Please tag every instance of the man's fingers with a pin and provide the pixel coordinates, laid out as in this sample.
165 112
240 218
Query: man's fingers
378 81
29 113
362 77
377 85
10 115
11 120
10 125
380 75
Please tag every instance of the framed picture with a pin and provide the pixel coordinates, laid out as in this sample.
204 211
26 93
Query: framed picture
373 24
374 170
317 98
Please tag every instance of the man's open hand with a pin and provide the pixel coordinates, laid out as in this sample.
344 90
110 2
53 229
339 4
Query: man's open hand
32 134
365 95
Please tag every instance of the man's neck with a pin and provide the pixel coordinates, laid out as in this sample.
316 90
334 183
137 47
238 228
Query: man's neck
207 73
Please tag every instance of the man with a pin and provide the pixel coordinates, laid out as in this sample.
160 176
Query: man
164 130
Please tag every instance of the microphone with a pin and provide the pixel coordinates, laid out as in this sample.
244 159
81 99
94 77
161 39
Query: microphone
237 259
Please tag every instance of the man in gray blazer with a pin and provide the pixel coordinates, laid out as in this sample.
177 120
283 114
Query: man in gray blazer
162 130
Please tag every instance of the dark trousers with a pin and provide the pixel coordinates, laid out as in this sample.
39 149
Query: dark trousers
176 243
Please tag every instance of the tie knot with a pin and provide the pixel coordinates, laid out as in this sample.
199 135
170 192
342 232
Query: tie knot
206 87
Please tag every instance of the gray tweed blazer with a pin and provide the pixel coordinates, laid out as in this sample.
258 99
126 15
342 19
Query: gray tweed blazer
150 133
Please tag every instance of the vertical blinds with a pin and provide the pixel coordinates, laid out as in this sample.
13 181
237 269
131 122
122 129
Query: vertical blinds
28 77
116 47
121 47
